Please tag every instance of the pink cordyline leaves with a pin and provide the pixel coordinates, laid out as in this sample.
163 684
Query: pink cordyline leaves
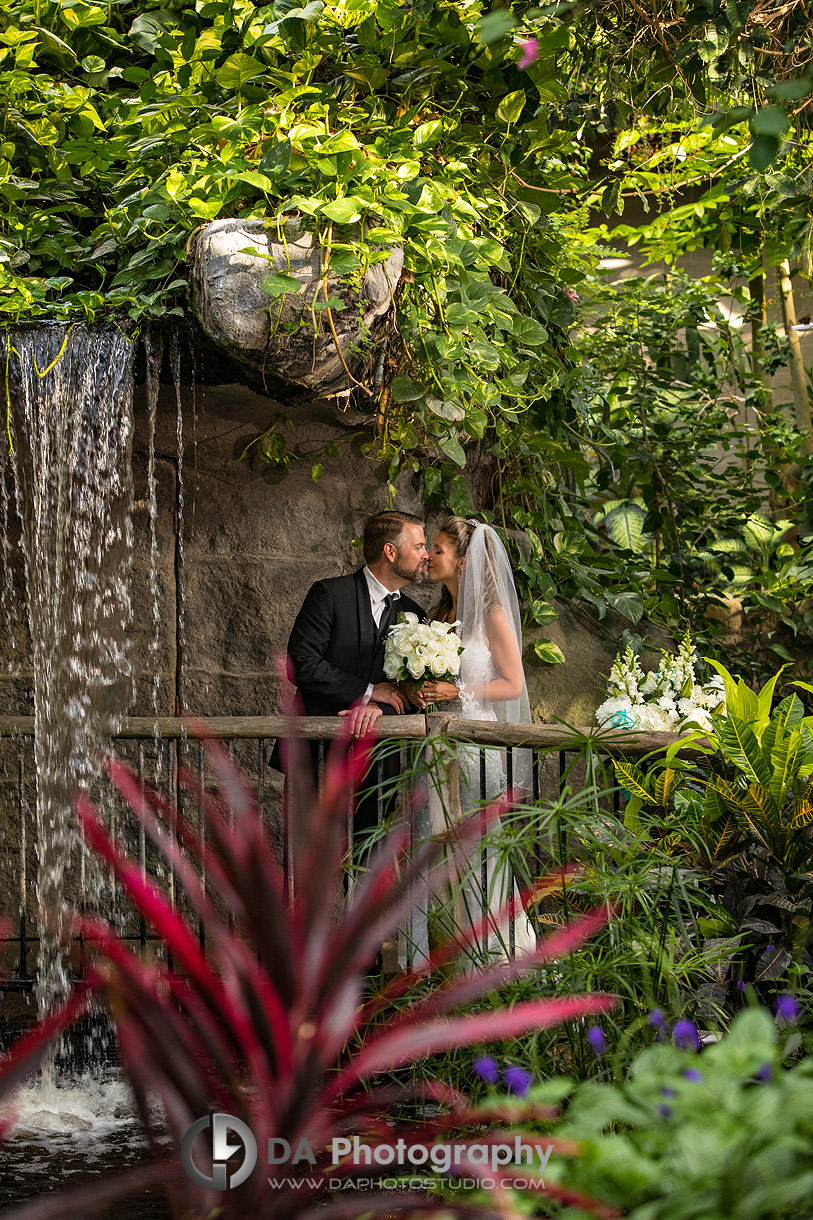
269 1024
530 53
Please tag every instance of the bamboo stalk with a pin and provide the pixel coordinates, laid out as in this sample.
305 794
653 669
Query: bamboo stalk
798 376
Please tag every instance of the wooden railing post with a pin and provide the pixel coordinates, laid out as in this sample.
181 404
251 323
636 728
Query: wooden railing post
437 726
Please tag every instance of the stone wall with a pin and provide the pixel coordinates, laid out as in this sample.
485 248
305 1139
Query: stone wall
256 537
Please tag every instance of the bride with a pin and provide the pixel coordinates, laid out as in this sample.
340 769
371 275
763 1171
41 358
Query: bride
469 560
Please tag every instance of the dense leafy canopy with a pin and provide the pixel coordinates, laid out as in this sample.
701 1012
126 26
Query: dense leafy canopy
481 142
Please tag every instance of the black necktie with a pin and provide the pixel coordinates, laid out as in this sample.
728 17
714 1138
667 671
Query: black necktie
387 616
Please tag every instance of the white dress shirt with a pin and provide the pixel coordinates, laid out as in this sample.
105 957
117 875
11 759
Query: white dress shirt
378 595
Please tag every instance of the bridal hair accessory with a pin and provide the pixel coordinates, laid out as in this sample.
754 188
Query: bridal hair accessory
473 521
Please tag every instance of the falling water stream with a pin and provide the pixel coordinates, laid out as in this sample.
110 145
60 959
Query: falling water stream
180 565
154 350
71 424
70 433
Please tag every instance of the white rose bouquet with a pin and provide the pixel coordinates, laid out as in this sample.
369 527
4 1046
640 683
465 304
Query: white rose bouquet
416 651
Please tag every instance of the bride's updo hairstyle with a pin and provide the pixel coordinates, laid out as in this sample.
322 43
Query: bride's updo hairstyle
459 531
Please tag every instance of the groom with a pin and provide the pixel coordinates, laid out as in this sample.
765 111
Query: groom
337 642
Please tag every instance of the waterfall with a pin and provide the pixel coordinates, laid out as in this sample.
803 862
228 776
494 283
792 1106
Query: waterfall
180 558
154 351
70 395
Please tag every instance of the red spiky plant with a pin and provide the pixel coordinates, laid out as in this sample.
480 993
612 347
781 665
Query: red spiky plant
270 1024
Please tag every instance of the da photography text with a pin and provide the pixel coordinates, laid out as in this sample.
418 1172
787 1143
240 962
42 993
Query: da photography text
347 1153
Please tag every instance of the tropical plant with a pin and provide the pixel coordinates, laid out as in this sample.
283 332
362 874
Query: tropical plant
721 1133
741 810
270 1024
667 946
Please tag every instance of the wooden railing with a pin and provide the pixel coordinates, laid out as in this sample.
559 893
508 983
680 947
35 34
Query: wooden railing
156 748
628 742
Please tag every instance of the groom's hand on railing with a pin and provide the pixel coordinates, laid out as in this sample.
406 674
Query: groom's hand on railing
364 715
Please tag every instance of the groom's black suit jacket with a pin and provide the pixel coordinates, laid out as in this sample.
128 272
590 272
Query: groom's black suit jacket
335 648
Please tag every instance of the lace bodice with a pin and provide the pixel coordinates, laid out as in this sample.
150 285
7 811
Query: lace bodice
476 668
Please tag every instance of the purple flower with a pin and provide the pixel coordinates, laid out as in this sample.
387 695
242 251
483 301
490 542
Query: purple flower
665 1111
740 986
486 1068
658 1023
686 1037
668 1093
693 1075
769 948
596 1039
764 1074
517 1080
530 53
787 1007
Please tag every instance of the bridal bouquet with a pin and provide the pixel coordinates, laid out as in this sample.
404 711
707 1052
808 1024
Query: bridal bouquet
415 651
671 700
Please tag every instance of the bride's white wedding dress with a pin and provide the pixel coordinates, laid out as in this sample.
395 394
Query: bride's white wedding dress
488 883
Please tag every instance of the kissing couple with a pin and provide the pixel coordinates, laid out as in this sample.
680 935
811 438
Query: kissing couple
337 656
337 643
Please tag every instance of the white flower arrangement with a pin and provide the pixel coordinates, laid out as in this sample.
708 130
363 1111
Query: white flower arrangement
415 651
671 700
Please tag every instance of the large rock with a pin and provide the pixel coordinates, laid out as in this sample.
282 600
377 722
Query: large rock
298 346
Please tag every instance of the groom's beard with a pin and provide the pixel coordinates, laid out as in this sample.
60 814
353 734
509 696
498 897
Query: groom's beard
414 575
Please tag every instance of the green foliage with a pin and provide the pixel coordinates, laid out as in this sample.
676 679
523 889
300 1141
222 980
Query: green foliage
742 813
385 125
732 1139
678 445
381 125
665 947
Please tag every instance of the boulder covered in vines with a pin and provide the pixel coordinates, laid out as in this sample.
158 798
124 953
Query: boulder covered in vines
268 298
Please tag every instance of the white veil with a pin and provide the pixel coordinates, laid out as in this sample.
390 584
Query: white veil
487 586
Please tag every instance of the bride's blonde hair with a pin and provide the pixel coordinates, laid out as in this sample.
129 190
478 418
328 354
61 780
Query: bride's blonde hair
459 531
